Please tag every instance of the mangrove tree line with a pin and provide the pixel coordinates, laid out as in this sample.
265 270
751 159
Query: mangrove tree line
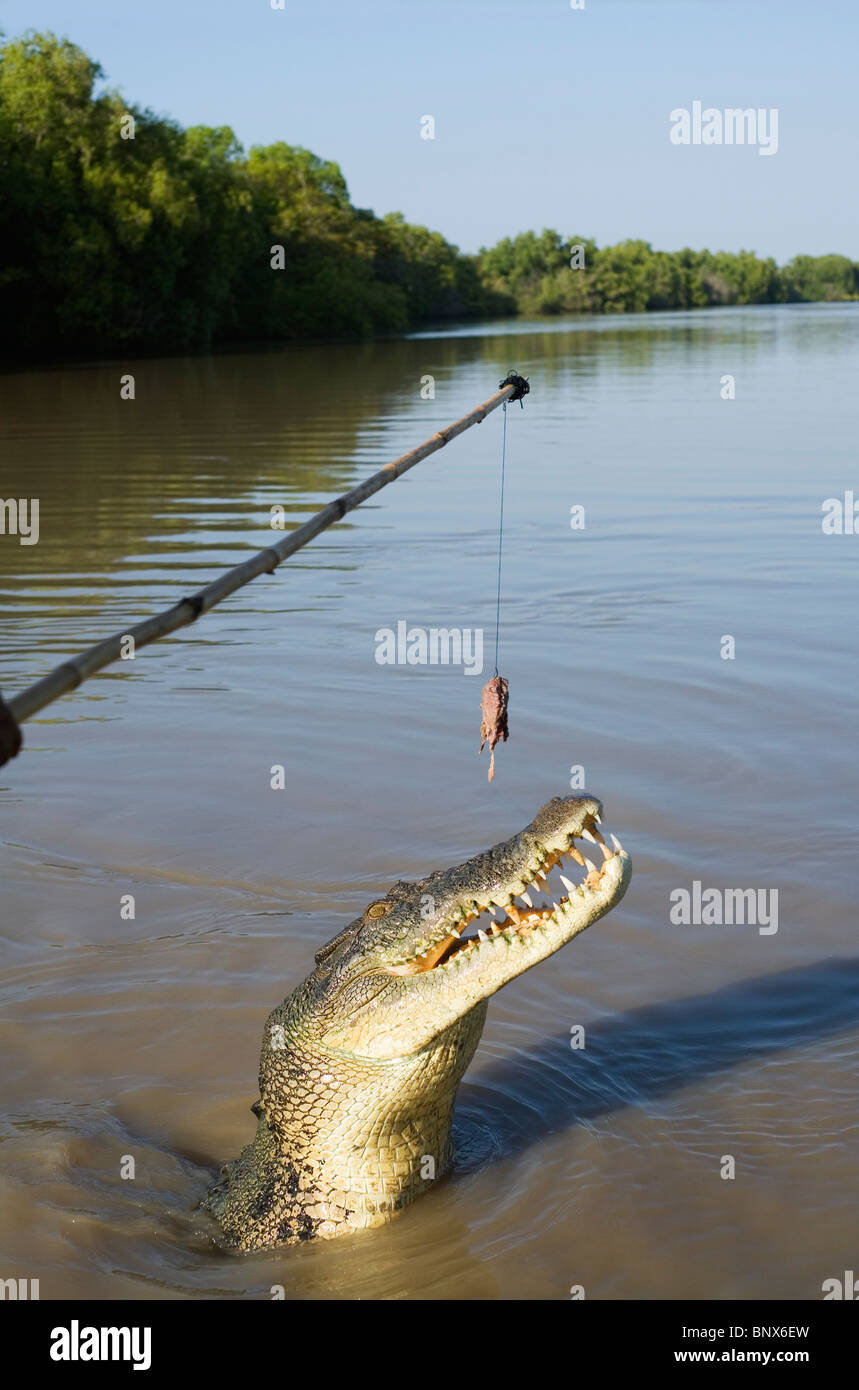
121 230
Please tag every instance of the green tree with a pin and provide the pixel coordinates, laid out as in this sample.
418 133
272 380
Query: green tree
829 278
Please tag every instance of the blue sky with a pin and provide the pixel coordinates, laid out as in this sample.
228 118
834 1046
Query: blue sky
545 115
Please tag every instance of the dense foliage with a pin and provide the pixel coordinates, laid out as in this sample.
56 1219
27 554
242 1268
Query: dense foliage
164 240
534 273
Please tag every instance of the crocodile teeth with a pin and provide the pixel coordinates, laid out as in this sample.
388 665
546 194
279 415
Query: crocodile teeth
522 921
598 839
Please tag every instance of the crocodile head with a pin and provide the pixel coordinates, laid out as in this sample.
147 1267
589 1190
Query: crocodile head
427 953
360 1065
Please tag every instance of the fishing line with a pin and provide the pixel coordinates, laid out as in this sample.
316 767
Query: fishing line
500 535
495 694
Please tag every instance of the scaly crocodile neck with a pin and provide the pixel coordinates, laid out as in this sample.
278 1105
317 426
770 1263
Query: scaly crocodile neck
342 1144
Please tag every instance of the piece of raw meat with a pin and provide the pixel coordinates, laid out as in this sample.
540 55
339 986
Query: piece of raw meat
493 720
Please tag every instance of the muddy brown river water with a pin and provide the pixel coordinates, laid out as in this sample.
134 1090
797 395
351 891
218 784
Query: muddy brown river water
604 1166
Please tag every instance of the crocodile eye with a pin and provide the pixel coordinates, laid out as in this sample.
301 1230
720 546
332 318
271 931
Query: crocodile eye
378 910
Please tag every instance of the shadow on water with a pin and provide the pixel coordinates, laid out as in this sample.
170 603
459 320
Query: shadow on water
648 1053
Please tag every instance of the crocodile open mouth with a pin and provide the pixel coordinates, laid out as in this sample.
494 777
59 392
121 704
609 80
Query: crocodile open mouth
496 914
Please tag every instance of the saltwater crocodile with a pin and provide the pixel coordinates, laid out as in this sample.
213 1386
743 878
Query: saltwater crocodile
360 1065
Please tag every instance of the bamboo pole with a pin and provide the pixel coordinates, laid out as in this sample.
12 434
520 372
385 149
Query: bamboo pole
70 674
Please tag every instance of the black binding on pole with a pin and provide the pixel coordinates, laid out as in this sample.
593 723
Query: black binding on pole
521 384
10 734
